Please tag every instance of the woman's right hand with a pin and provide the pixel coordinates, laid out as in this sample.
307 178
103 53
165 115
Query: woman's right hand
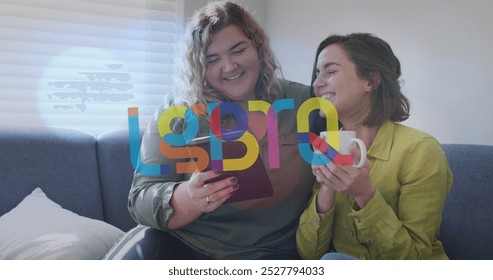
326 194
209 196
194 197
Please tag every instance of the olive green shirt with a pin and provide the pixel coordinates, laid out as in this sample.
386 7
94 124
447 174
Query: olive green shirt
402 220
252 229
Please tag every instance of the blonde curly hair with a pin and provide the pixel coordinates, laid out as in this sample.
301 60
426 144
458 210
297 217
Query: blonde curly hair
202 26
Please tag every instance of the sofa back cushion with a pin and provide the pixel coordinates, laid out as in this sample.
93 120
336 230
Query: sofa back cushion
62 162
116 174
467 226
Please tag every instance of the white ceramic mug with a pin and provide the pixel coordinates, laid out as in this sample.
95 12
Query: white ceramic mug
346 140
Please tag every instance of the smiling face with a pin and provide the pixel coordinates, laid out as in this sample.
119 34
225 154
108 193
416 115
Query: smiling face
338 81
233 64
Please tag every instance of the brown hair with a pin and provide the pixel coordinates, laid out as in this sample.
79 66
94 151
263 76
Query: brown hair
373 55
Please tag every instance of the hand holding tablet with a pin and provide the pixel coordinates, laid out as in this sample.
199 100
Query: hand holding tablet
254 182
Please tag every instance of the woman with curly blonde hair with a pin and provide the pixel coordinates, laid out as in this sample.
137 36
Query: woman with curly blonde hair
228 59
199 33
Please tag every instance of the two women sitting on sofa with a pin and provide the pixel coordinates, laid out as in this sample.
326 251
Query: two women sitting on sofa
388 209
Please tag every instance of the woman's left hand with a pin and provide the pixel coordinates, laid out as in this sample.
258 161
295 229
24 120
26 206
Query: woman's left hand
350 180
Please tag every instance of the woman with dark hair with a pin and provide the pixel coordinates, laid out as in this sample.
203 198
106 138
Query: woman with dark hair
391 208
228 59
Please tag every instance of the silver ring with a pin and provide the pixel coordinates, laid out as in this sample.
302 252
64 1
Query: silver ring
208 200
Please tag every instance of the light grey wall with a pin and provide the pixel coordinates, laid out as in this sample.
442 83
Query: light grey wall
256 7
445 48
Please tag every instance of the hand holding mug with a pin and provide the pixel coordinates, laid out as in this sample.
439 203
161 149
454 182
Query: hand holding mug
346 140
350 181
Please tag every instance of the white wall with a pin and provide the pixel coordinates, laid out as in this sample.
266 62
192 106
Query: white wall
257 8
445 48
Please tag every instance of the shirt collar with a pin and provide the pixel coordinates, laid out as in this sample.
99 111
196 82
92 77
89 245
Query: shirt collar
380 148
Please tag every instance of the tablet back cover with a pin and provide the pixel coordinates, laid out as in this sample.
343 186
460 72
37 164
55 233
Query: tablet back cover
254 181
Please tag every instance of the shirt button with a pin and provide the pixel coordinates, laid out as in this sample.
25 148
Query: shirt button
317 222
356 220
350 232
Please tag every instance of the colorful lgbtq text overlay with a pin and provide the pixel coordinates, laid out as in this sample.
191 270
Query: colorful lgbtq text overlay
177 146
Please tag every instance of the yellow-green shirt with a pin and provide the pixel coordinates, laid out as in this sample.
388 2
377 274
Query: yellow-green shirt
402 220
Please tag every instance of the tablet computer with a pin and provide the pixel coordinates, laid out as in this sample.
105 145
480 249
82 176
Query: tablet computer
254 181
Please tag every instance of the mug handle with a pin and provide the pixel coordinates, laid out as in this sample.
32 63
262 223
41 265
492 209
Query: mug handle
362 149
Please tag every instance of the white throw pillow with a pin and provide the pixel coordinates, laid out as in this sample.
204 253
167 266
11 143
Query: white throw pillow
38 228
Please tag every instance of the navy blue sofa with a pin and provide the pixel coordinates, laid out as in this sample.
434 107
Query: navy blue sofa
91 176
88 175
